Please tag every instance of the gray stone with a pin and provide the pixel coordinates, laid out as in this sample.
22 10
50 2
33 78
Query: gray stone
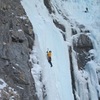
82 47
16 41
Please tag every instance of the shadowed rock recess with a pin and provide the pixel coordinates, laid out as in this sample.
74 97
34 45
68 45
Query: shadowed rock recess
82 47
16 41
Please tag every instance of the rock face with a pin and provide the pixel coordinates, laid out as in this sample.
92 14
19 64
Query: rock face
16 41
82 47
49 6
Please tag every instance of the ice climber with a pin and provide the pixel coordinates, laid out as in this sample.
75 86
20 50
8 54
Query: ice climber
49 54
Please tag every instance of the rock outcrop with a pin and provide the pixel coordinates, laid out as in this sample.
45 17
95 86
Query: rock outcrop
82 47
16 41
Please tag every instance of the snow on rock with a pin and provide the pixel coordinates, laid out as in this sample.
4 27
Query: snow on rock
2 84
7 92
37 71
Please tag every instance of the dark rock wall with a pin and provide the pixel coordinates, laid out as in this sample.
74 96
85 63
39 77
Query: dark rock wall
16 41
49 6
82 47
